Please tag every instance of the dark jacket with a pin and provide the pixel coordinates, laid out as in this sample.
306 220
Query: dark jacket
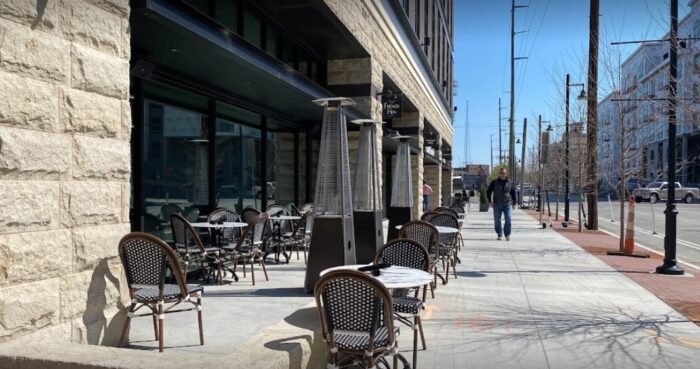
503 192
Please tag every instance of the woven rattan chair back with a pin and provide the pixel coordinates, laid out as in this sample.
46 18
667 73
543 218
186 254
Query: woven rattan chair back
448 211
191 213
168 209
146 260
255 233
229 235
404 252
277 210
428 214
445 220
352 307
184 235
457 209
423 232
248 214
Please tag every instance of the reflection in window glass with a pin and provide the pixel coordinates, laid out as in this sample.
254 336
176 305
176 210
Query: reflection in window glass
272 42
227 14
238 165
175 165
201 5
252 29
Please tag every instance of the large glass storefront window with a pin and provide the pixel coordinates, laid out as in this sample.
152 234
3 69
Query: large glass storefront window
238 166
175 165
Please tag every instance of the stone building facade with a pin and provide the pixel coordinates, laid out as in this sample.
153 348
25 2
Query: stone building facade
65 125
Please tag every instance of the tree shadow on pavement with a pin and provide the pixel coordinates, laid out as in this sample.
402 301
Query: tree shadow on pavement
597 336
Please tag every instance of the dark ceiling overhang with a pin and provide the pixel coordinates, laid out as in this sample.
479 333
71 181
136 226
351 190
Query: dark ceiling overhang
189 44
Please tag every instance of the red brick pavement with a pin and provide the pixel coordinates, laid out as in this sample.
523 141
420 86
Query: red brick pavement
680 292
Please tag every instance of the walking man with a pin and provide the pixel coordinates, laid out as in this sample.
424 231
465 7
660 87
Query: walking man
427 191
503 193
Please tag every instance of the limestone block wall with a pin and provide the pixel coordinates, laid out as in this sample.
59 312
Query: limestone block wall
65 126
367 22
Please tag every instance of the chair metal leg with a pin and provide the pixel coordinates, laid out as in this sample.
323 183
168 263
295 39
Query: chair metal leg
199 320
420 330
415 342
252 269
262 264
161 321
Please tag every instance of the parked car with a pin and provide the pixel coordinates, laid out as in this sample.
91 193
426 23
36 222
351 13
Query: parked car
656 191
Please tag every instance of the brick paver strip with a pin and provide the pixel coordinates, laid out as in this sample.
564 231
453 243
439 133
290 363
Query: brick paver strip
680 292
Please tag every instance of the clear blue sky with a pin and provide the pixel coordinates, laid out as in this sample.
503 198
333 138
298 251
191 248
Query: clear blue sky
556 43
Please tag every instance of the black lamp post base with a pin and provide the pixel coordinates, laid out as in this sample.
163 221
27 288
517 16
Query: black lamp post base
670 269
369 235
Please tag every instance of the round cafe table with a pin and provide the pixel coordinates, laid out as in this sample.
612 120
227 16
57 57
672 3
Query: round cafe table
392 277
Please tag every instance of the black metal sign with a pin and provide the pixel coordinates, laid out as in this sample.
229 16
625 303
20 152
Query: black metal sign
391 105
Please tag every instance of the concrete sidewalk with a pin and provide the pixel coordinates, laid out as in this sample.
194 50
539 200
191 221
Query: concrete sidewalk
537 301
540 301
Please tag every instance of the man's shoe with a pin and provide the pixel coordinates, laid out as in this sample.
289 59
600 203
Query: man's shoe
507 238
499 238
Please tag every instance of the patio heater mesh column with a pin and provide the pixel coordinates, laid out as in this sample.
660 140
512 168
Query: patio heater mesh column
367 212
332 238
401 205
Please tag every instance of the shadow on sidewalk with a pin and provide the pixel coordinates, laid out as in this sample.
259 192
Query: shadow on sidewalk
262 292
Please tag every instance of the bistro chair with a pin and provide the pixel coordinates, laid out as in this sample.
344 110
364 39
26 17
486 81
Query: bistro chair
427 215
250 246
226 235
146 260
356 317
300 237
191 248
410 254
427 235
447 252
168 209
249 214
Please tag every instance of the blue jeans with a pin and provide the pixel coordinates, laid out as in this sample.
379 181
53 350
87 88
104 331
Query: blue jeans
499 209
426 201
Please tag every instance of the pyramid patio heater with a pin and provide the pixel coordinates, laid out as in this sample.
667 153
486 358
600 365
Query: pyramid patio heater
401 205
366 194
332 238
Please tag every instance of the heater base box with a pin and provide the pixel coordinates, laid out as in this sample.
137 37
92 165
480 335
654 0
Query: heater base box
332 244
369 235
397 217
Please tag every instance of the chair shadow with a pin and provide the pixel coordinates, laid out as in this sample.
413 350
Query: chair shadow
99 329
261 292
306 318
471 274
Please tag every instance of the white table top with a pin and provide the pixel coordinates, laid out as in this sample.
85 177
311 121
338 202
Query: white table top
285 217
446 230
223 225
393 276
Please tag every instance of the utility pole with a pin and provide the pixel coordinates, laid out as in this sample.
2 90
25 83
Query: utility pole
500 147
492 151
522 164
592 136
670 265
566 152
511 119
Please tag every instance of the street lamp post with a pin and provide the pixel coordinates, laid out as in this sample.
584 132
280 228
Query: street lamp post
670 265
566 143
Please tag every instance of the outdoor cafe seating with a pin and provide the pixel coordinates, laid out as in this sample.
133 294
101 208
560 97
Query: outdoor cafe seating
356 317
147 261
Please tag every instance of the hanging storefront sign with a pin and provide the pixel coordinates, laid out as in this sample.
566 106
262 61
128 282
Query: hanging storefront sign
391 105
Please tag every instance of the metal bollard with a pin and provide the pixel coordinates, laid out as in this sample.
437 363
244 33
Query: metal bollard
612 216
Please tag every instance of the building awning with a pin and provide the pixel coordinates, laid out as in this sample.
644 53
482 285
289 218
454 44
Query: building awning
173 41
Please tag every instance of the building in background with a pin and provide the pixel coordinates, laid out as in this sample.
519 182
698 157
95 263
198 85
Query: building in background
639 109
